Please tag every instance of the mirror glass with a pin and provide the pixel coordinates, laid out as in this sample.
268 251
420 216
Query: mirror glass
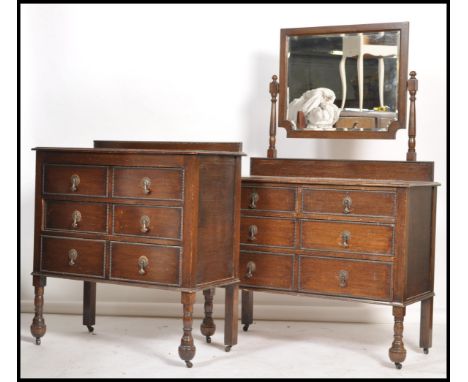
343 81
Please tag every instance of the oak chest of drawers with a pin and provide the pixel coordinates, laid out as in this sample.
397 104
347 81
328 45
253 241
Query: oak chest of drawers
351 238
163 218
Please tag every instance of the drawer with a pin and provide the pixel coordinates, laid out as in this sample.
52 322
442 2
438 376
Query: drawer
156 222
344 202
73 256
356 123
268 198
76 216
352 237
147 183
75 180
356 278
145 263
267 231
267 270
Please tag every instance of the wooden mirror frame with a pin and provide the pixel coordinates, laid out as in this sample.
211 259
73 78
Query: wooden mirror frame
400 123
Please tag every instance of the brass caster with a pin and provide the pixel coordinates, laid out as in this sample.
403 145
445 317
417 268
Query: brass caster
426 351
188 364
90 328
228 348
398 365
208 339
38 341
246 327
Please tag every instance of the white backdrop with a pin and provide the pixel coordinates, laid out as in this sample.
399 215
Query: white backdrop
201 73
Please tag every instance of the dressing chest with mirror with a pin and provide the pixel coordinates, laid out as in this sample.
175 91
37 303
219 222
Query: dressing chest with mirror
355 230
150 215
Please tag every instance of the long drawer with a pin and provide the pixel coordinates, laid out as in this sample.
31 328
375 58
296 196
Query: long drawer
145 263
268 270
147 183
154 222
72 256
346 236
75 180
267 231
355 278
75 216
347 202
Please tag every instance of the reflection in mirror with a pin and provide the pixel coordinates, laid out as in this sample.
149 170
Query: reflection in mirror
341 82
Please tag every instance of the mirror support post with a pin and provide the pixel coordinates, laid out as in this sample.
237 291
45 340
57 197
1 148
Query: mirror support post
412 86
274 89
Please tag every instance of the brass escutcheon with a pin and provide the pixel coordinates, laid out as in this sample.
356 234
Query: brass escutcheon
75 181
142 264
144 223
347 201
146 183
345 237
250 269
253 230
343 277
76 218
254 197
72 255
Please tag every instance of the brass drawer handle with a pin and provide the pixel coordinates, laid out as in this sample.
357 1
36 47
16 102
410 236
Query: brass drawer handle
146 183
347 201
75 181
253 230
76 218
72 255
254 197
343 276
144 223
250 269
142 264
345 237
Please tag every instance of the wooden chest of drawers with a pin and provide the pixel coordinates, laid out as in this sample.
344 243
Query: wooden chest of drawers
165 218
338 234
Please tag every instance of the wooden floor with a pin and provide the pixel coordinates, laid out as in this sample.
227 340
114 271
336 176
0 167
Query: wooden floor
147 347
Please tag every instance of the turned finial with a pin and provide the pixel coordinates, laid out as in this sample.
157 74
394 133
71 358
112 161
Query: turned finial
274 89
412 86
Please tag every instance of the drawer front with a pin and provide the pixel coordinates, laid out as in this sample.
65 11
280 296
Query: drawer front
145 263
351 237
75 180
76 216
147 183
268 198
73 256
356 123
155 222
267 270
354 278
267 231
342 202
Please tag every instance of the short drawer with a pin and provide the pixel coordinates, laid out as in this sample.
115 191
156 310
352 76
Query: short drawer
145 263
75 216
147 183
352 237
268 198
356 123
75 180
344 202
356 278
267 231
268 270
73 256
155 222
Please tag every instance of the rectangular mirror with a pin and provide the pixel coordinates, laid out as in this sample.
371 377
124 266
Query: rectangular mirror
344 81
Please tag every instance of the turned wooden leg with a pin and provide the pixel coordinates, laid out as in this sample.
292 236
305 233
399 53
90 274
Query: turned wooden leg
38 327
89 305
231 316
425 335
397 352
186 348
247 309
208 326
